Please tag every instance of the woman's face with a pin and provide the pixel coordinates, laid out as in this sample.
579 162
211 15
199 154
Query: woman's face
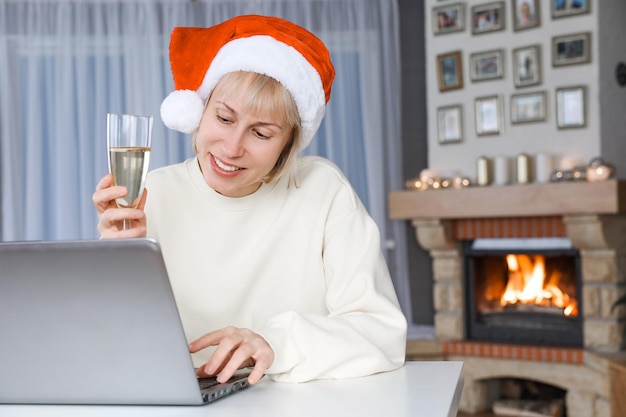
238 148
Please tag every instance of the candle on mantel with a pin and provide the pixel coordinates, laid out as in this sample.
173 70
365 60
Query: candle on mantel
483 171
523 169
543 167
501 170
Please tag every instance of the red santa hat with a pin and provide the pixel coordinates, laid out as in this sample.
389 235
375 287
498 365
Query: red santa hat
267 45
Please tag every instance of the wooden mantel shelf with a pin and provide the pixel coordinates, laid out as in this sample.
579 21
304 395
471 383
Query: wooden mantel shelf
520 200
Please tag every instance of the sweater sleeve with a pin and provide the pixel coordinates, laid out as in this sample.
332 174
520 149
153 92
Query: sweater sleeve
364 331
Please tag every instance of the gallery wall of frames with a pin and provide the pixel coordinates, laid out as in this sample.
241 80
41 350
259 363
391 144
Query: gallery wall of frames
514 76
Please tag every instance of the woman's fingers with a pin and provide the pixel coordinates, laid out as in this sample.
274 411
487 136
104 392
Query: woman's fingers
142 201
111 220
236 348
252 353
105 182
106 193
110 217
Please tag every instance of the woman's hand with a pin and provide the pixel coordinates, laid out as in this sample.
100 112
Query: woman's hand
236 348
110 217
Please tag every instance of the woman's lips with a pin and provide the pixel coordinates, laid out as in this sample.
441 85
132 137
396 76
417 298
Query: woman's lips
222 167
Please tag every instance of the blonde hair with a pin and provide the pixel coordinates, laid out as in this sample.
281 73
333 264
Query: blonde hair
264 93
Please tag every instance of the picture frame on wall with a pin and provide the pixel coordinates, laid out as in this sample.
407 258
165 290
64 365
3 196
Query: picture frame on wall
449 18
488 65
567 8
528 107
571 107
488 17
527 66
488 114
571 49
450 71
526 14
450 124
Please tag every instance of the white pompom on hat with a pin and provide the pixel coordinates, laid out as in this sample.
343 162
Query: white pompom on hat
267 45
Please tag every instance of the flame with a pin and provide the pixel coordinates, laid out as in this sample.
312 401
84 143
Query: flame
527 284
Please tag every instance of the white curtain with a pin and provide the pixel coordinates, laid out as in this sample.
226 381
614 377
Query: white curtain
64 64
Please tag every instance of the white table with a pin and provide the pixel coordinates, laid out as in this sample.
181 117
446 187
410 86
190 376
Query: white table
428 389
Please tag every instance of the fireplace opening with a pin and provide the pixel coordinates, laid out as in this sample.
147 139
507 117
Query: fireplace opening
524 397
523 293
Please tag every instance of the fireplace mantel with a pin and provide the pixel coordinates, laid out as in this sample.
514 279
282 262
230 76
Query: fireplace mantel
520 200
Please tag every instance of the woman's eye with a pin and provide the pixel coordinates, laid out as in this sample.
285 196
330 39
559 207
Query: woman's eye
261 135
223 119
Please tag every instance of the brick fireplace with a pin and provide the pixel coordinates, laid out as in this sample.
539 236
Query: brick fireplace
592 216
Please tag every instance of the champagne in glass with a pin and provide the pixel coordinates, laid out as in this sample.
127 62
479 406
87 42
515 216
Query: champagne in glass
129 139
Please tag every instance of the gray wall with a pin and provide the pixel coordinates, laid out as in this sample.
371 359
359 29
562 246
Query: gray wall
612 50
415 145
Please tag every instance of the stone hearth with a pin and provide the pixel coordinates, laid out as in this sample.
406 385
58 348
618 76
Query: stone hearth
593 217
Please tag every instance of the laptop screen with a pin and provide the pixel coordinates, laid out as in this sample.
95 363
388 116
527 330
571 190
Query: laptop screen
97 318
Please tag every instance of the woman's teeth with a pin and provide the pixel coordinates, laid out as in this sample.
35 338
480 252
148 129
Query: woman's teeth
225 167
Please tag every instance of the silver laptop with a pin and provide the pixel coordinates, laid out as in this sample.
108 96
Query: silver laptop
97 321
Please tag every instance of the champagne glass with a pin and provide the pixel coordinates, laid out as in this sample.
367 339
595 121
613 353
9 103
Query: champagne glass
129 139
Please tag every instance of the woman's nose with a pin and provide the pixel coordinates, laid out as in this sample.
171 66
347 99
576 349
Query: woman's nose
234 146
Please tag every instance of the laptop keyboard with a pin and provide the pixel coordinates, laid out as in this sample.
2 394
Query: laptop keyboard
207 382
212 390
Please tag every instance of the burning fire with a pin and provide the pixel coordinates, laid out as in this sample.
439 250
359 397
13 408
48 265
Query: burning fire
527 285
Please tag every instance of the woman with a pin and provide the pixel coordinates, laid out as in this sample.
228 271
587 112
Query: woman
271 253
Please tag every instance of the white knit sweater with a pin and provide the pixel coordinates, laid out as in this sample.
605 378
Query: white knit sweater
301 266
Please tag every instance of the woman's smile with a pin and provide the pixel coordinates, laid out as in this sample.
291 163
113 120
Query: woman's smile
222 166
